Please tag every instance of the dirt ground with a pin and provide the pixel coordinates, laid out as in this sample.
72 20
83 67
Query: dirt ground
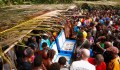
15 14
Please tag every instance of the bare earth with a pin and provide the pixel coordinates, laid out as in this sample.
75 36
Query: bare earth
15 14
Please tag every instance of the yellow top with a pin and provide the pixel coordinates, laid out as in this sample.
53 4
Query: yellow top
90 19
81 19
114 64
84 34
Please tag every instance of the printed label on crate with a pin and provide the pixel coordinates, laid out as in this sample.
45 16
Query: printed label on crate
68 46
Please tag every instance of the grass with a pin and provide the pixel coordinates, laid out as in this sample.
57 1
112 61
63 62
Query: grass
113 3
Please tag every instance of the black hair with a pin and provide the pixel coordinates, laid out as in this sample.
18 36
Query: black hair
32 45
30 39
37 38
44 44
86 45
28 52
80 35
38 61
51 53
55 66
45 37
92 24
62 61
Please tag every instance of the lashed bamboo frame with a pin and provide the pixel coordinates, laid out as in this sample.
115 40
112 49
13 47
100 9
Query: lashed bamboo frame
33 22
28 27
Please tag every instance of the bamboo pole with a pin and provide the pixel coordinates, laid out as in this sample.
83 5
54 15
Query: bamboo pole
29 25
4 58
39 18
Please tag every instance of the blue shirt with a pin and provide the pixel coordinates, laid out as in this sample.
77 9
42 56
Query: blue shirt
42 41
101 21
76 29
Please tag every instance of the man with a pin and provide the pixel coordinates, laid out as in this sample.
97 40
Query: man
114 64
98 62
83 64
107 54
38 65
103 45
80 42
55 66
44 39
43 52
48 61
62 62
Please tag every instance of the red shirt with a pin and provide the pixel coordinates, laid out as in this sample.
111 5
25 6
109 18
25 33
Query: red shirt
116 26
102 66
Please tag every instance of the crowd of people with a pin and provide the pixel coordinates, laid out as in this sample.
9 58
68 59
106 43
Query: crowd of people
99 32
97 47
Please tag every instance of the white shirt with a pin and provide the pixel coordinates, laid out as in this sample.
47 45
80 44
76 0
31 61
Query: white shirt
79 23
82 65
111 23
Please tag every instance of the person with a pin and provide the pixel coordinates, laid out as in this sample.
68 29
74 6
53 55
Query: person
107 54
76 28
101 44
83 64
93 29
48 61
114 64
84 32
79 23
43 52
90 38
98 62
108 44
38 65
27 60
32 43
46 39
88 46
67 29
55 66
80 42
62 62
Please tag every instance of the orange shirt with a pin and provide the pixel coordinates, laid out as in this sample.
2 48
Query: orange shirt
114 64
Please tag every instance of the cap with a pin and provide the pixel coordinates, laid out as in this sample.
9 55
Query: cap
45 34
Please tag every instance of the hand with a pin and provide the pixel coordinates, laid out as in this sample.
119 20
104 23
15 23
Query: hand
98 43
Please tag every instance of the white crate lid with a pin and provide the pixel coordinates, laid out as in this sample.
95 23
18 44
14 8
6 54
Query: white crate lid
61 39
54 47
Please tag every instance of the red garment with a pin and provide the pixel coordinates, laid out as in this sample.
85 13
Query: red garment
102 66
116 27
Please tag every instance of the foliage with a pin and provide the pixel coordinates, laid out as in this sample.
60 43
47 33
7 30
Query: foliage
97 6
9 2
88 0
